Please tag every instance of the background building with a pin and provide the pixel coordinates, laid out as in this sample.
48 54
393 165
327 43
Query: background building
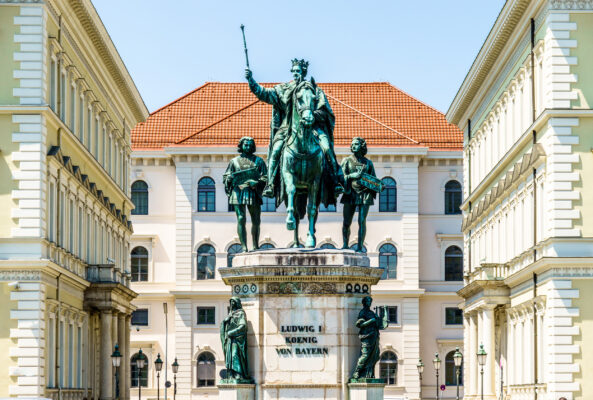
184 230
525 107
67 105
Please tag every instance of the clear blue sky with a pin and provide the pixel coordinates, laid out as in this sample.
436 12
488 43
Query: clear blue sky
423 47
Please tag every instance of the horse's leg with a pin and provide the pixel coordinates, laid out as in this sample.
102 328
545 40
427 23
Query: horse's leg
290 195
312 212
297 242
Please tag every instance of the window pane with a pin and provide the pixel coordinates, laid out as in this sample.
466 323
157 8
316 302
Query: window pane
206 315
453 264
388 197
206 262
206 195
136 374
267 246
140 198
140 317
327 246
388 261
388 367
269 204
234 249
453 316
206 370
329 208
450 372
453 197
391 314
139 261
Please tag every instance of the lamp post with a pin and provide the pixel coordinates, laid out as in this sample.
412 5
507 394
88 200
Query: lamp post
116 361
140 361
175 368
437 366
158 365
458 358
482 361
420 367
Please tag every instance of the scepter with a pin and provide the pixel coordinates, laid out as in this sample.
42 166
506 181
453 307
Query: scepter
245 46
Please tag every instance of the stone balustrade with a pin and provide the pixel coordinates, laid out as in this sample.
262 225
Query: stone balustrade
526 392
490 272
106 273
66 394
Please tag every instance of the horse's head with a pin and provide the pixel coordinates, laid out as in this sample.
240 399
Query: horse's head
305 102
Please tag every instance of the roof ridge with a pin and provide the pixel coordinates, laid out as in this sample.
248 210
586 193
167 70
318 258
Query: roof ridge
373 119
217 122
180 98
415 98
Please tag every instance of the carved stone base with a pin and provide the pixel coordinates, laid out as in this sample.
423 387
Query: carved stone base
240 391
367 390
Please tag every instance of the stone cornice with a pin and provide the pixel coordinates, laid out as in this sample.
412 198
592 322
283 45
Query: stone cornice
493 46
546 263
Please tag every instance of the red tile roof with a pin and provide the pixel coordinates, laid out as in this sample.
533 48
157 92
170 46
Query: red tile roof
218 114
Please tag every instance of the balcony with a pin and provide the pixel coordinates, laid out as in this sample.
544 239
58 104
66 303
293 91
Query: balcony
526 392
490 272
106 273
66 394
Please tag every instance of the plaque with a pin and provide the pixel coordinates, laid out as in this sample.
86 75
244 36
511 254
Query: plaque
371 182
242 177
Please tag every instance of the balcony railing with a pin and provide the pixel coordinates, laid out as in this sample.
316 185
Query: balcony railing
66 394
526 392
490 272
106 273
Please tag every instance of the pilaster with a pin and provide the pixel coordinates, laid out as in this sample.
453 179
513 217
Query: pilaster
183 347
183 226
411 343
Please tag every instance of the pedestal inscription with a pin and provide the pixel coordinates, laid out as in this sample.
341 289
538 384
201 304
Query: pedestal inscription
302 338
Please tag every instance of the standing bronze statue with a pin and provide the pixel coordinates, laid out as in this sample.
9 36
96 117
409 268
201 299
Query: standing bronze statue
244 180
302 163
369 324
362 187
233 335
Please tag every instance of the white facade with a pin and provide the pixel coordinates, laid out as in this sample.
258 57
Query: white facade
173 230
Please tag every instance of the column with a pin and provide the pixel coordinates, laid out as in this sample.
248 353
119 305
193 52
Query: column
473 364
106 345
123 345
126 356
488 339
114 340
466 351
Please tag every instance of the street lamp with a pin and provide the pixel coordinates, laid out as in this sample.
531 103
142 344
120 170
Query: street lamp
158 365
437 366
116 361
482 361
458 358
175 368
420 367
140 362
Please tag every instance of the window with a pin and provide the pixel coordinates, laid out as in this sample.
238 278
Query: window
234 249
452 197
139 264
140 317
329 208
63 97
79 357
80 116
52 84
206 195
52 212
70 355
71 224
388 261
206 369
138 376
388 197
267 246
206 315
453 264
450 373
388 367
453 316
72 111
89 120
206 262
52 352
269 204
355 247
391 314
327 246
140 198
61 351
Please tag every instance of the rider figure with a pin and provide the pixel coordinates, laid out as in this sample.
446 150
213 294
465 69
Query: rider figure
281 97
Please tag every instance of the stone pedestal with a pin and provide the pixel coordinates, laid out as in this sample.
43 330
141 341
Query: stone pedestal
238 391
370 390
301 308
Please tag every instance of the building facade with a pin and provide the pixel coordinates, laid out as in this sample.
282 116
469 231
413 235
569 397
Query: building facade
525 108
67 106
184 230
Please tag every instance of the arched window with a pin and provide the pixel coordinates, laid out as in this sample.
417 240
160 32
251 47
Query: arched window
140 198
267 246
388 261
327 246
388 367
452 197
143 377
453 264
234 249
206 369
206 262
139 261
355 246
450 373
206 195
388 197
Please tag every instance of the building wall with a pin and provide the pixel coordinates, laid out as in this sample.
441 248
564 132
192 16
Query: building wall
174 229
